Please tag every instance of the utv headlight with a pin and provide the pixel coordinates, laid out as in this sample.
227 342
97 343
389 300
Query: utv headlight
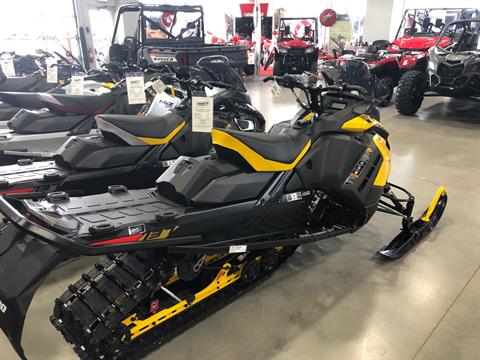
310 50
282 50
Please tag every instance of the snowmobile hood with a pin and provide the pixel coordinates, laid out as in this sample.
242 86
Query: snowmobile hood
296 43
416 43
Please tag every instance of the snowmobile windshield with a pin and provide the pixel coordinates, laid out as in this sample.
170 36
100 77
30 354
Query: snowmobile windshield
171 25
351 72
298 28
463 35
217 68
430 22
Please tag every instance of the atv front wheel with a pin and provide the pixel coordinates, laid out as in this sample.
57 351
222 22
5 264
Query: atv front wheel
410 92
389 86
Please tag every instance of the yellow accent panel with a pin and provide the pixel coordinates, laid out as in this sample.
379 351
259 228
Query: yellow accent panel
109 85
223 279
440 192
309 116
384 171
257 161
155 141
360 123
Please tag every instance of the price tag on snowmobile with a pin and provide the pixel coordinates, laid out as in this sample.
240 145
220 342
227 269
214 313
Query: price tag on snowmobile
7 67
52 72
276 90
77 84
136 89
202 114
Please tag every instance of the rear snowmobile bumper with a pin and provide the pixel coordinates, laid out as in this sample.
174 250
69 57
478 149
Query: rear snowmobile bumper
24 264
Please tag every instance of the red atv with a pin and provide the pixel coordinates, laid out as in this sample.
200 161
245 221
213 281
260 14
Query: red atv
296 49
419 31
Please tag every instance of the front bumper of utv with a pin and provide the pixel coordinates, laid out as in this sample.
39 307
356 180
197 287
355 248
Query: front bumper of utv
296 61
454 81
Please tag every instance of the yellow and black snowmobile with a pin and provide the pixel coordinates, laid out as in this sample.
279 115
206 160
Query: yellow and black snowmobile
211 228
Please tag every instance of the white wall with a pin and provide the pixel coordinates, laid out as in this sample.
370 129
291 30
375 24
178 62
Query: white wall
377 20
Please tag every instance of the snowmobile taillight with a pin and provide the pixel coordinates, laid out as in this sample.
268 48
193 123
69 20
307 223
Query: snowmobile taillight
16 191
119 240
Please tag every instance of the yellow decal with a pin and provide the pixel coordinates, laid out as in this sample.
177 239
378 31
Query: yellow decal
441 191
155 141
256 161
172 91
384 171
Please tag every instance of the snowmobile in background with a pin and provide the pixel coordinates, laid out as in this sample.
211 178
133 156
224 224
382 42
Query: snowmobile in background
135 150
31 78
213 226
354 70
39 133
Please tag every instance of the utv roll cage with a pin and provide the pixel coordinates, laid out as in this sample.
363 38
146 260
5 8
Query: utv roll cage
140 37
467 39
284 29
426 26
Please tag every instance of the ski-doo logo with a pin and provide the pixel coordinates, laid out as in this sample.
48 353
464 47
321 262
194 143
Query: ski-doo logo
3 307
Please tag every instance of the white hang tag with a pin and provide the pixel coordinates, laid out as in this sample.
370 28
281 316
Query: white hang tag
251 59
159 86
77 85
7 67
202 114
276 90
52 72
237 249
136 89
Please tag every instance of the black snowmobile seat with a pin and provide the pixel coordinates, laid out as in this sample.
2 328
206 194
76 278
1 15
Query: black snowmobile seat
19 83
25 100
262 152
79 104
152 130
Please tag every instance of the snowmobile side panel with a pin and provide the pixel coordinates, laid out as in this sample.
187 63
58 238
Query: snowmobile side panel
237 187
189 175
96 152
24 264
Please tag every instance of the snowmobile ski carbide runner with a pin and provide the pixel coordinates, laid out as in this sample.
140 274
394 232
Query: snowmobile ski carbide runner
134 150
212 227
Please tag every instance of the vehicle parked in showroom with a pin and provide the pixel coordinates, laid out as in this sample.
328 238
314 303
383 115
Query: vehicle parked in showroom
419 31
453 69
296 49
154 35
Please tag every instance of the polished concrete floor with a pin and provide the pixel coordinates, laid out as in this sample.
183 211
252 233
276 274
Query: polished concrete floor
334 299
